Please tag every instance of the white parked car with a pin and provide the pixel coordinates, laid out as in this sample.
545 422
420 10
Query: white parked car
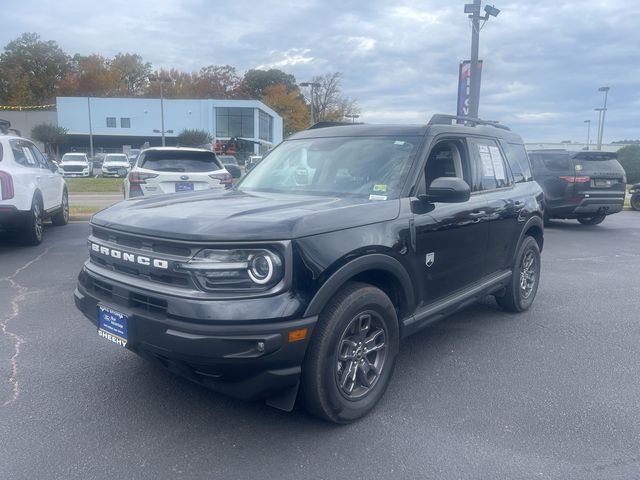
115 165
31 190
75 165
175 169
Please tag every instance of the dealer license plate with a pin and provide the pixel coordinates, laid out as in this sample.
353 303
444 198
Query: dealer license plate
112 325
184 187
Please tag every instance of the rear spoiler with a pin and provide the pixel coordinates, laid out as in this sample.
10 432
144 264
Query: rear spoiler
595 156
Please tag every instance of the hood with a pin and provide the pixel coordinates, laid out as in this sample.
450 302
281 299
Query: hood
119 163
235 216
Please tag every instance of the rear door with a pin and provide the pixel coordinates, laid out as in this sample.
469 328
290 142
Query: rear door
601 176
27 175
51 183
551 169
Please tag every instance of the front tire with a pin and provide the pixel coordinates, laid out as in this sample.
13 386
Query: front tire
33 229
635 201
523 286
352 354
61 217
593 220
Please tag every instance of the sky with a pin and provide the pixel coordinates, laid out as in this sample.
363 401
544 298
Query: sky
543 60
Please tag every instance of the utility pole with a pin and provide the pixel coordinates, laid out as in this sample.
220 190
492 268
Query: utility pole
312 85
588 122
162 113
473 9
90 128
604 112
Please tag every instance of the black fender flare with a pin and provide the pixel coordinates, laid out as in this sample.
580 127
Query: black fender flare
533 221
373 261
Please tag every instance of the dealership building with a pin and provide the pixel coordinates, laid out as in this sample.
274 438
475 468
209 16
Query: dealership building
121 123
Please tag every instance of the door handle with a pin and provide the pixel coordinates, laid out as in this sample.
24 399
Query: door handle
477 214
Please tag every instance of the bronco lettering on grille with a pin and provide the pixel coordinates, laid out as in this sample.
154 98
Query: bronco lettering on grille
129 257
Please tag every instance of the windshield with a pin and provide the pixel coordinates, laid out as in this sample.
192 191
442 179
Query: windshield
180 161
372 167
74 157
115 158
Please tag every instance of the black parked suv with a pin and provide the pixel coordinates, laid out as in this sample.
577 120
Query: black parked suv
340 243
586 186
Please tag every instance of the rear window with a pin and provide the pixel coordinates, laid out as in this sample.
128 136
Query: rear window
595 156
180 161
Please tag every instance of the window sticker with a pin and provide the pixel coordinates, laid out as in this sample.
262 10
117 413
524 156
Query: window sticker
380 187
498 164
487 163
377 197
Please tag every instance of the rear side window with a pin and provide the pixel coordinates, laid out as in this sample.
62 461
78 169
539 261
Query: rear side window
490 169
518 161
555 161
22 155
180 161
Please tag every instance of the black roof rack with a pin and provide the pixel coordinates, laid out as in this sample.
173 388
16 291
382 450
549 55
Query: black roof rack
441 119
324 124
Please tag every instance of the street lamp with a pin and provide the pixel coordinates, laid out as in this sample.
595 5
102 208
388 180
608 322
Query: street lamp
588 122
312 85
352 116
603 111
160 80
473 9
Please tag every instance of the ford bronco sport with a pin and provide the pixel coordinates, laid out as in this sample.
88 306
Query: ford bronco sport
307 275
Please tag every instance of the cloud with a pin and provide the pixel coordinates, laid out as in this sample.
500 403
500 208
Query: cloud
543 61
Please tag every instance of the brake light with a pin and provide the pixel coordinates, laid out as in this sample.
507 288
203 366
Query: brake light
139 177
576 178
225 179
6 185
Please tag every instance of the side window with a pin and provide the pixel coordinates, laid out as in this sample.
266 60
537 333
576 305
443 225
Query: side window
448 158
22 154
42 162
490 171
518 161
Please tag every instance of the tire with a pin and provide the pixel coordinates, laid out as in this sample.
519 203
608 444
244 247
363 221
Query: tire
594 220
33 229
521 292
635 201
61 217
338 347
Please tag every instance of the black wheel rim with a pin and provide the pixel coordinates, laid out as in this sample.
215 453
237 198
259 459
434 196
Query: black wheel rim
361 355
65 207
528 274
37 220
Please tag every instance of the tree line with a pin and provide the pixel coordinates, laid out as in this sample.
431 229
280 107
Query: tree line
34 71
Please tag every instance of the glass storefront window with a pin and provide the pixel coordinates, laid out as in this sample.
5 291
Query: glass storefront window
234 122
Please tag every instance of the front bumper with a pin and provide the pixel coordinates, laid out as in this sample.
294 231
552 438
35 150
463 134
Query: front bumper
243 360
75 174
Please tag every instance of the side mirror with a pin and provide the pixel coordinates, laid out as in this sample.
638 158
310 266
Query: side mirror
448 190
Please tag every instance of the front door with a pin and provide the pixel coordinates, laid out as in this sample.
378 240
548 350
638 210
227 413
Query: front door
450 238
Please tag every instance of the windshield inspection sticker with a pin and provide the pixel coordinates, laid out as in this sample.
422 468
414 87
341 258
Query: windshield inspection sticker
380 188
377 197
498 165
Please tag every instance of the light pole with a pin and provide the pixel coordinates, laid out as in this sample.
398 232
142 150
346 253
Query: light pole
312 85
604 112
473 9
160 80
600 115
90 127
352 116
588 122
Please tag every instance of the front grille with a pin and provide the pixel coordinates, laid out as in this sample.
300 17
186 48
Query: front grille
144 246
73 168
122 297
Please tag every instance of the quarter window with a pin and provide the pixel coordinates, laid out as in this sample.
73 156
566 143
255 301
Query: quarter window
518 161
111 122
22 155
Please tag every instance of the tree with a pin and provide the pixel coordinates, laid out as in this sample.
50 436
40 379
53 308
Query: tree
328 102
30 70
193 138
132 72
90 76
219 81
629 158
289 105
51 135
257 81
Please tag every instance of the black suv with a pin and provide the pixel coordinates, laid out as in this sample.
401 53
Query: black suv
586 186
340 243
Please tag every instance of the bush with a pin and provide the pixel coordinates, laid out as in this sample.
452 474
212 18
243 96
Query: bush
629 158
193 138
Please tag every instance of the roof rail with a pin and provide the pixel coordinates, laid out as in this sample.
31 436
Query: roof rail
325 124
441 119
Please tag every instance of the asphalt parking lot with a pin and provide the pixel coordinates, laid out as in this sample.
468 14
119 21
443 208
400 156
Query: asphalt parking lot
552 393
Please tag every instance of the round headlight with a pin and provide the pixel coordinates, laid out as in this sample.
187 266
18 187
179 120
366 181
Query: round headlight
260 269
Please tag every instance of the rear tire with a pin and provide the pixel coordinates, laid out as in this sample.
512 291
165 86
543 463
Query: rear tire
33 229
357 332
523 286
61 217
635 201
593 220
